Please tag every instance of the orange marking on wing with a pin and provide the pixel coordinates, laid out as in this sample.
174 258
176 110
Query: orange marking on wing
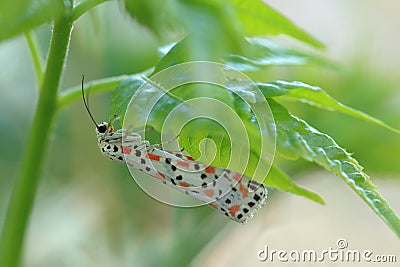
190 158
183 184
234 209
209 169
162 176
209 192
237 176
244 190
213 205
126 150
183 163
153 157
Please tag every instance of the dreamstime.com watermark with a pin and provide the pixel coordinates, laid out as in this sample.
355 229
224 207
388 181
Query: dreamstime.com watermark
340 253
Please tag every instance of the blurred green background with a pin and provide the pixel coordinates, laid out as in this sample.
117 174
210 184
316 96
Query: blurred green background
89 211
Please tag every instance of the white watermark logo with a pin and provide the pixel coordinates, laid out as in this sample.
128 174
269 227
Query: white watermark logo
340 253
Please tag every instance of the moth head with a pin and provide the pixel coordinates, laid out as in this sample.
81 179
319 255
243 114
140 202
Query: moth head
103 129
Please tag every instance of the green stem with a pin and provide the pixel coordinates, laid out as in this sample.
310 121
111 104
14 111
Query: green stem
36 55
24 191
74 93
84 6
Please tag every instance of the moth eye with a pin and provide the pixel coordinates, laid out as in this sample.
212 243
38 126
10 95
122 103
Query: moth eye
102 128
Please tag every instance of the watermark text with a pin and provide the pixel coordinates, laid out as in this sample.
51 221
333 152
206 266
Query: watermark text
340 253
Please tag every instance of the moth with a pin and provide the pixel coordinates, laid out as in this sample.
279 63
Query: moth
231 193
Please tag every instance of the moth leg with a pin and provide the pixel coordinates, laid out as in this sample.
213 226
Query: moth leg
148 129
141 145
129 129
164 143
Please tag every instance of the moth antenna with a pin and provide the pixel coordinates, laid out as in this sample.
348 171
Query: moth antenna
86 102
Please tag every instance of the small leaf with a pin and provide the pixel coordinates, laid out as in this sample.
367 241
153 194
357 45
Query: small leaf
258 18
19 16
320 148
278 179
315 96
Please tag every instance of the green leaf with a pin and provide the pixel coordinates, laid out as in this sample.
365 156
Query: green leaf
315 96
20 16
312 145
261 53
196 131
278 179
258 18
158 16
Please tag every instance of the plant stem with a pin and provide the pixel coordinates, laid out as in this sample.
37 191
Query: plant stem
74 93
24 191
36 55
84 6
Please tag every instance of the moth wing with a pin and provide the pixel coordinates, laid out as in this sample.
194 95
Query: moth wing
237 196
